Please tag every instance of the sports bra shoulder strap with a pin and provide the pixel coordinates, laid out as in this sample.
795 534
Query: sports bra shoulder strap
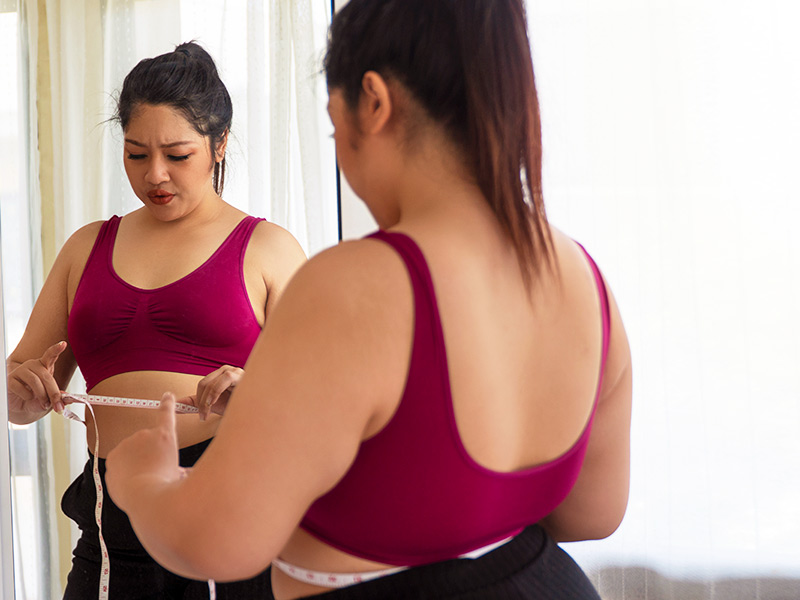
248 224
604 303
109 229
415 261
106 236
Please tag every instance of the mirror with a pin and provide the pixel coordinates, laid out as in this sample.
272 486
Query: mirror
281 166
6 552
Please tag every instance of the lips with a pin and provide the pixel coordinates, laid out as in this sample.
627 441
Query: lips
159 197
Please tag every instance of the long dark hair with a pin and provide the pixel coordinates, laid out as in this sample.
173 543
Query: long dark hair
187 80
468 62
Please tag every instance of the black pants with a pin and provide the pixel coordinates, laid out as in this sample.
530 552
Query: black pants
134 575
529 567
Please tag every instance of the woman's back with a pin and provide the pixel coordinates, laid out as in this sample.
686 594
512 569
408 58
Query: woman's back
523 371
510 355
417 469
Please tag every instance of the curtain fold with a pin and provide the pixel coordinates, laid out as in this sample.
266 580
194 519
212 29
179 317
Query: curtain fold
77 88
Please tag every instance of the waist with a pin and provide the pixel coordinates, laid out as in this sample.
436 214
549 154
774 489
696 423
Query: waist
116 423
326 579
187 456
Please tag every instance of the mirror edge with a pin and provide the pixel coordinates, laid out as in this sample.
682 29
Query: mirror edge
6 547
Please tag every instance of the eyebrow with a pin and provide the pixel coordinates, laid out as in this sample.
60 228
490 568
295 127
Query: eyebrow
170 145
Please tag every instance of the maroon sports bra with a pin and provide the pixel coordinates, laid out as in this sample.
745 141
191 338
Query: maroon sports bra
193 325
413 495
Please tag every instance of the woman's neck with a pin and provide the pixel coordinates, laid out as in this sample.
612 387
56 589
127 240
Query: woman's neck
434 180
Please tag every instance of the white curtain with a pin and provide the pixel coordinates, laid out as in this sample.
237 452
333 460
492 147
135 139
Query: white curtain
280 163
671 151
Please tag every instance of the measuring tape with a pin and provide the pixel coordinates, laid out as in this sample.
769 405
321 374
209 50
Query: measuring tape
129 402
89 400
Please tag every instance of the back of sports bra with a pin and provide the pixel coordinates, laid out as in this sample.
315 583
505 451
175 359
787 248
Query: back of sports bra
413 494
193 325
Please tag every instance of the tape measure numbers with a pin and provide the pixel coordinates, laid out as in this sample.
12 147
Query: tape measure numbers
129 402
89 400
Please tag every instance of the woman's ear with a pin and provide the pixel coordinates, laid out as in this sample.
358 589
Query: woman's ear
219 154
375 106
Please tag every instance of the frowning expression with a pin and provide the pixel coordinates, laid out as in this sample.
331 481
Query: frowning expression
169 165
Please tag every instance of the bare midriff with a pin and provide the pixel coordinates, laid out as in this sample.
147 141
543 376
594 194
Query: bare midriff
115 423
304 550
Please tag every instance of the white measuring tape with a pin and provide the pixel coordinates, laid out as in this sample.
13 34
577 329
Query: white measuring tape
89 400
340 580
128 402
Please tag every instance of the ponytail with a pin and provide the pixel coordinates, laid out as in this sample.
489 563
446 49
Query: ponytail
503 126
468 63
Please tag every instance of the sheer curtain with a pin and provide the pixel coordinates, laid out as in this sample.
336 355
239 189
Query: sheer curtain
280 165
670 139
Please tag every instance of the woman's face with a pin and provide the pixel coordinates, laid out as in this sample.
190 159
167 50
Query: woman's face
169 164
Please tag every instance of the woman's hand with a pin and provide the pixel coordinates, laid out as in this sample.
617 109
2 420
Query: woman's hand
214 390
146 461
32 388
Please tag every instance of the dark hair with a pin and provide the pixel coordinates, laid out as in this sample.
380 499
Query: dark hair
468 63
187 80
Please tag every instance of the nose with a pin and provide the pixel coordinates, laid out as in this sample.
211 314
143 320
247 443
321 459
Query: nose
157 171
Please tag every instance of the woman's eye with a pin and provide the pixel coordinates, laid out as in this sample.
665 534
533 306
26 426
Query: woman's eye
135 156
179 158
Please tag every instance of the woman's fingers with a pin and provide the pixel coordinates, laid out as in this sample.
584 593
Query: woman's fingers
51 355
37 376
167 408
30 385
214 386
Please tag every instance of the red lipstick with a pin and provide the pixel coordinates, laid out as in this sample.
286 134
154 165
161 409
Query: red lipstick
159 196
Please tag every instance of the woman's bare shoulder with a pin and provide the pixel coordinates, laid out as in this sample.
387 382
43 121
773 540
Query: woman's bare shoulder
567 250
274 253
86 234
354 282
272 237
78 246
357 264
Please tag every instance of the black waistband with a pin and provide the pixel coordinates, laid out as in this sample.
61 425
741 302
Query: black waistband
78 503
529 566
186 456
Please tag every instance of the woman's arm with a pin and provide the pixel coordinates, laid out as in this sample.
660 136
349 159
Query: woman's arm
327 371
289 257
41 365
595 506
274 255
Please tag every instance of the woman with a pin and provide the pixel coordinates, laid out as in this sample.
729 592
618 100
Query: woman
434 405
171 296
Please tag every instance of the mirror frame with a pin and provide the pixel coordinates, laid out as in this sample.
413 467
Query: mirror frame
6 543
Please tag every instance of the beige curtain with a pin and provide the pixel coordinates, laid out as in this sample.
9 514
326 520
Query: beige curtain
67 65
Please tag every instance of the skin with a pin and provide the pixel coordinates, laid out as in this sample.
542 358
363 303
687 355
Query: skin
336 369
162 151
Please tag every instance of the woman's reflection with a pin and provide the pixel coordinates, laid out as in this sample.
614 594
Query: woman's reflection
170 297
